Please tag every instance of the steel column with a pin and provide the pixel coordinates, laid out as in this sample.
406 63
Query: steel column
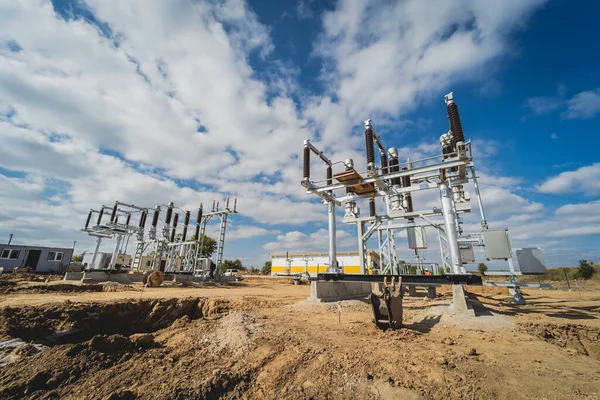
451 228
98 241
333 266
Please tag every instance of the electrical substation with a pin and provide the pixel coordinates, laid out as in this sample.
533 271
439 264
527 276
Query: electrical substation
161 244
299 200
394 183
152 309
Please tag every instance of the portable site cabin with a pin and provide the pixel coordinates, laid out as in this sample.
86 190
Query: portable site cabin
39 259
315 263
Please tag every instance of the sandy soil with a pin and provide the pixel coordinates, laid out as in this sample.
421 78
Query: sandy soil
258 339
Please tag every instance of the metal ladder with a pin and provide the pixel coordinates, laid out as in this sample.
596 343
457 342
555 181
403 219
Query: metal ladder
199 270
137 257
221 244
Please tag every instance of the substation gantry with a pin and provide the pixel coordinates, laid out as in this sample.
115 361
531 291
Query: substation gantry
171 250
394 182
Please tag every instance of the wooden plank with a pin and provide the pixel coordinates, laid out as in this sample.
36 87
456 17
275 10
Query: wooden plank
354 178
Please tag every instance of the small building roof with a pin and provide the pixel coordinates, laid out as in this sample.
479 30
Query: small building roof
320 254
23 246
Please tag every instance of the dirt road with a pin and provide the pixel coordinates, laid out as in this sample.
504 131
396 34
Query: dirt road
263 340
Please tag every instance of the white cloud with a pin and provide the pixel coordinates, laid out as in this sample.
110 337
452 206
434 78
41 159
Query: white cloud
175 69
543 105
246 232
582 180
316 241
415 48
583 105
169 108
554 136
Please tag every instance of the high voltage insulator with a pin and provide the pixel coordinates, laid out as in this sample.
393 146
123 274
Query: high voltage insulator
306 161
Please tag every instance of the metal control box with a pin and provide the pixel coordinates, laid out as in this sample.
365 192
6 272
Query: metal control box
531 261
466 253
416 237
497 246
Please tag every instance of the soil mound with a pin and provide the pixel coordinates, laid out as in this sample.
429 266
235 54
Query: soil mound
585 340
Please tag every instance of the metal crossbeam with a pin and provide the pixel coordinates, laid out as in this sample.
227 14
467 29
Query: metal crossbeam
410 172
424 280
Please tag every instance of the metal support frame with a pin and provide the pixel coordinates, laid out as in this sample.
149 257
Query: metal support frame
421 178
447 172
451 227
202 270
182 257
416 280
333 264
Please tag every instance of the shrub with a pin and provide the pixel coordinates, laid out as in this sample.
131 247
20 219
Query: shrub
482 268
586 269
266 269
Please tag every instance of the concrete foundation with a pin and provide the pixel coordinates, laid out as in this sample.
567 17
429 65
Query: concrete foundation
335 291
73 276
459 304
100 276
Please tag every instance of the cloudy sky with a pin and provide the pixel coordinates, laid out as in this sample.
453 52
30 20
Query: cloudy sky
188 101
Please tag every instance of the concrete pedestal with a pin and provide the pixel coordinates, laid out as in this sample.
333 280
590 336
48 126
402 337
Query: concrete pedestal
459 304
431 292
73 276
335 291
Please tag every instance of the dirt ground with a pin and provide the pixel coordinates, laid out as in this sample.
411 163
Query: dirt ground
261 339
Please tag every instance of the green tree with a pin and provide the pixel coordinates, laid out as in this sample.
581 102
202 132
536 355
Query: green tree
482 268
78 258
586 269
209 245
266 269
412 269
225 265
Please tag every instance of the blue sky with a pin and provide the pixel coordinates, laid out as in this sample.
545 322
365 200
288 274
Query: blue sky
149 102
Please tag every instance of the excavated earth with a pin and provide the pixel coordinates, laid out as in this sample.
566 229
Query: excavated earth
264 340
